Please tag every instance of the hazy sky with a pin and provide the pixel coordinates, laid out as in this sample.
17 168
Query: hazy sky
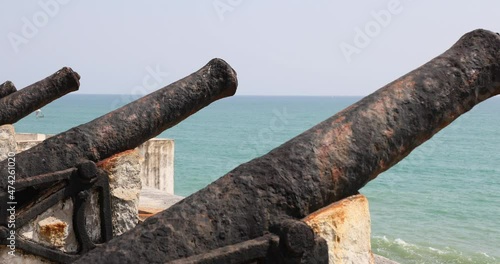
276 47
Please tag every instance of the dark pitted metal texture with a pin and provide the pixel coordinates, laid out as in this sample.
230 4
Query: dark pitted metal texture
330 161
7 88
17 105
128 126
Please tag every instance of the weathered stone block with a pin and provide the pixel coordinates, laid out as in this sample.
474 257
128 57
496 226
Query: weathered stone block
345 225
7 141
125 185
157 162
54 227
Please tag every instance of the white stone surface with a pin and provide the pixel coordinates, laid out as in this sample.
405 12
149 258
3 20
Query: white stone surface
53 228
154 200
30 136
7 141
345 225
19 258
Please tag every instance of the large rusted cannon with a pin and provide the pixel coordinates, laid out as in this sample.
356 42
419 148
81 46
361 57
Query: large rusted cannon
7 88
63 167
17 105
128 126
328 162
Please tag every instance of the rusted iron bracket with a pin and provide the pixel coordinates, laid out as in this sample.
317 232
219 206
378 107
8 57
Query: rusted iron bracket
292 242
76 183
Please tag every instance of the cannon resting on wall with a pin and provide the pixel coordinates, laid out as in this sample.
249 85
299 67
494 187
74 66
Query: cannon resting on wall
63 166
253 213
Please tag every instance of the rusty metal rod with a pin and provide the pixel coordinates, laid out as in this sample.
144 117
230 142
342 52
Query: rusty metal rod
328 162
21 103
128 126
7 88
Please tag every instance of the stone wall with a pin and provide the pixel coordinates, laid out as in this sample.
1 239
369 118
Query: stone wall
156 159
54 227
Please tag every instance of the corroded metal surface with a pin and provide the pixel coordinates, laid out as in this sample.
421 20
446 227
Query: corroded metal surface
7 88
128 126
25 101
330 161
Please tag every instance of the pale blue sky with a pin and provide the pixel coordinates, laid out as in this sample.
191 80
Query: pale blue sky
276 47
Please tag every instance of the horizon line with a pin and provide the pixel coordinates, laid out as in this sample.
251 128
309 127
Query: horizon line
236 95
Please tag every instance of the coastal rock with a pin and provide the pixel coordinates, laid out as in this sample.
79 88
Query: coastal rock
345 225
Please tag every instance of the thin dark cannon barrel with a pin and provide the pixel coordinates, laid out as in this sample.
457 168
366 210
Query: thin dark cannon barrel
7 88
25 101
330 161
128 126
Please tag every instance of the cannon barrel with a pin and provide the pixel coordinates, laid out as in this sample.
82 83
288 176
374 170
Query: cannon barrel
128 126
328 162
7 88
17 105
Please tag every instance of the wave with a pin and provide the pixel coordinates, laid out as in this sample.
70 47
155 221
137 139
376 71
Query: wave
407 253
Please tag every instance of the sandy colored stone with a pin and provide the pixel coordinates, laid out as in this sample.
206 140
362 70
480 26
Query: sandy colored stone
53 231
345 225
53 228
7 141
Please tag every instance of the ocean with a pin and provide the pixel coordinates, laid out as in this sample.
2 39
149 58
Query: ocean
441 204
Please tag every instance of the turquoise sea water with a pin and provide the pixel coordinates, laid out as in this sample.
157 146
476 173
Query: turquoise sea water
441 204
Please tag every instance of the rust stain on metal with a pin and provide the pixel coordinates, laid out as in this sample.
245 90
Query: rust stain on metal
110 162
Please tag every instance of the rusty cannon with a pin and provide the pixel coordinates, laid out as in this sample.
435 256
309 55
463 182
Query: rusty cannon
63 166
252 214
14 105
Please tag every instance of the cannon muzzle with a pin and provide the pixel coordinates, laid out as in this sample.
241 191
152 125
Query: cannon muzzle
7 88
